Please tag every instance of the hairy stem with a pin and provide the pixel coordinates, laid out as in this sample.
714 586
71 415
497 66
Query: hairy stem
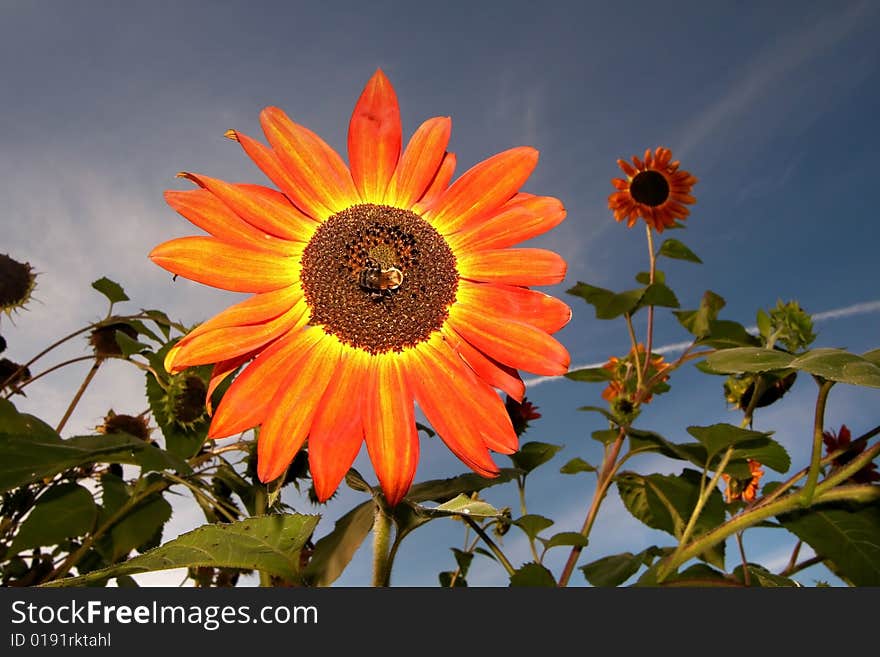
79 393
606 475
816 457
381 543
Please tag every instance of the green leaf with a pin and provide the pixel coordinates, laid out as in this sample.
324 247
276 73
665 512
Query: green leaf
335 550
463 560
724 334
28 458
136 528
644 277
846 535
658 294
665 502
764 324
464 506
718 437
697 322
532 574
443 490
446 582
672 248
613 570
110 289
605 436
64 511
575 465
532 524
760 576
161 320
129 346
749 359
872 356
533 454
839 365
601 411
608 304
565 539
22 424
590 375
268 543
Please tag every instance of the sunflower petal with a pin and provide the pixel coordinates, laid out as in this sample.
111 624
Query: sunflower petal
201 208
432 375
483 188
323 182
268 162
218 264
231 341
420 163
514 223
390 428
439 185
489 370
513 343
261 207
284 430
222 370
374 138
338 430
249 398
508 301
513 266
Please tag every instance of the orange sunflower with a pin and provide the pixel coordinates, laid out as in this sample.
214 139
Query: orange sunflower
375 284
654 189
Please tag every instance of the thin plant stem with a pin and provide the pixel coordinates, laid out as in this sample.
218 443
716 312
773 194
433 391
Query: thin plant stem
79 393
742 553
792 563
521 484
705 493
649 331
635 349
803 565
609 467
78 359
818 426
491 545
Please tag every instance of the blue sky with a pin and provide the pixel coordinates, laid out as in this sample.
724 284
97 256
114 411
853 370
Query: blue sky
771 105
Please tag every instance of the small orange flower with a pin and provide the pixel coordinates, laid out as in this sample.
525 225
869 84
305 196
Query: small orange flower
376 283
625 381
747 493
654 189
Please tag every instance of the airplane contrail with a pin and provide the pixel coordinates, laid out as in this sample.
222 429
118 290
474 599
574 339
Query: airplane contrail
848 311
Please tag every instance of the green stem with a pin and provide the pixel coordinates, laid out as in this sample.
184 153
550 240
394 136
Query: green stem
381 542
825 492
79 393
492 546
649 332
521 484
260 507
635 350
705 493
609 467
818 426
44 373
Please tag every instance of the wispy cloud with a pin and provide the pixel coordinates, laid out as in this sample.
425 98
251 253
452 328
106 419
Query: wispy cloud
862 308
769 67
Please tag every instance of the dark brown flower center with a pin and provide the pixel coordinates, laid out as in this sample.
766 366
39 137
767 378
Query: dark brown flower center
649 187
16 282
378 278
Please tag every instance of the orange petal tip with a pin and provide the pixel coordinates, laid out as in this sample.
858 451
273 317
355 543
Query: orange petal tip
231 134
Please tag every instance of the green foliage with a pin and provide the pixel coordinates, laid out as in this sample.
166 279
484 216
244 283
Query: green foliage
666 502
532 524
334 551
110 289
831 364
847 536
534 575
615 569
65 511
609 305
576 465
590 375
268 543
533 454
672 248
